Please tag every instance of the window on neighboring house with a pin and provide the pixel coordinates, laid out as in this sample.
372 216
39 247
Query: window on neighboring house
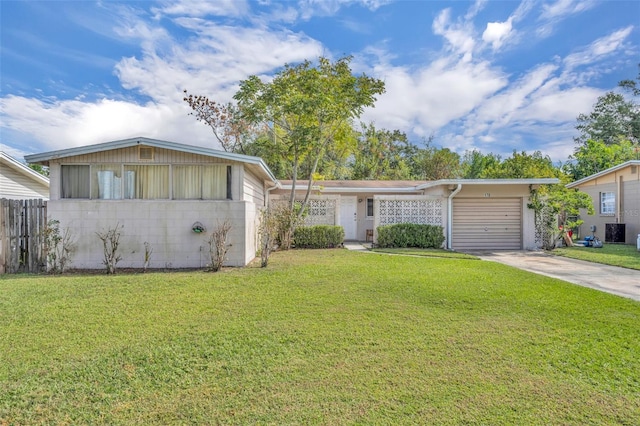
75 181
201 182
146 182
607 203
369 207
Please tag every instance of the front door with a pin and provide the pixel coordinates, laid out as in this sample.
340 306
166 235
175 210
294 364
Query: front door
349 216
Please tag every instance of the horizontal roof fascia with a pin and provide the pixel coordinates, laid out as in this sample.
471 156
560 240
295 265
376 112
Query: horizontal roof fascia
45 157
604 172
426 185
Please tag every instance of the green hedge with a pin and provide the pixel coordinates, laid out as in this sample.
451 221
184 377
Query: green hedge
403 235
318 236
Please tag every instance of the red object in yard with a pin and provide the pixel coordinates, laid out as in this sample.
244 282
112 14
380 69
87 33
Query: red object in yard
570 233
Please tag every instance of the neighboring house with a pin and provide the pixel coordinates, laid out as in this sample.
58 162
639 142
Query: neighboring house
161 193
19 182
616 200
475 214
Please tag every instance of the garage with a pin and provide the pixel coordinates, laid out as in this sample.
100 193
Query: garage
487 224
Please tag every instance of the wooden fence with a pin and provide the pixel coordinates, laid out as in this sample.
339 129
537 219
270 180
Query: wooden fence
22 225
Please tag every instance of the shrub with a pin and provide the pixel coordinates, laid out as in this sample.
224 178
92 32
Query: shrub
218 246
403 235
58 247
318 236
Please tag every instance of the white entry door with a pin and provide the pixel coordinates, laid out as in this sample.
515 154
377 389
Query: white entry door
349 216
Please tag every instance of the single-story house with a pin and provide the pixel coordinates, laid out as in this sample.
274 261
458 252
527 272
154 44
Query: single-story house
475 214
616 200
165 194
19 182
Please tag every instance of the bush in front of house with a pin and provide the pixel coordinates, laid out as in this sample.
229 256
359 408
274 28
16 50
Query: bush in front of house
318 236
403 235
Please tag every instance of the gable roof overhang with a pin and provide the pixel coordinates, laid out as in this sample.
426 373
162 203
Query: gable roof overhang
256 162
355 186
603 173
531 181
23 169
409 187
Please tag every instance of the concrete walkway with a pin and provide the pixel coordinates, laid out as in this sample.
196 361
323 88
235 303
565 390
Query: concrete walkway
357 246
611 279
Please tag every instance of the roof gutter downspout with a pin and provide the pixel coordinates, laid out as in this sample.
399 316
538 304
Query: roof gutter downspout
268 190
450 214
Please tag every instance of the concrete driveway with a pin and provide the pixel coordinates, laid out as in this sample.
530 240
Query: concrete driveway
611 279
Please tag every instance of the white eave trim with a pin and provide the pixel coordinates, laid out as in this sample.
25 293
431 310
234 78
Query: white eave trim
353 190
419 188
533 181
604 172
24 169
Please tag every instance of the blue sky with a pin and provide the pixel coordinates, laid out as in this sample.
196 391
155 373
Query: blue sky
489 75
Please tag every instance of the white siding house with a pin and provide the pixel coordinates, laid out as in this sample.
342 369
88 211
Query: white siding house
19 182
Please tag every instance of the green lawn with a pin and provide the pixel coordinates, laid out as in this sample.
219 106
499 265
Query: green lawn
426 253
320 337
624 255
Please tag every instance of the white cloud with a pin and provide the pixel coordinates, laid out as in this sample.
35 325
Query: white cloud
561 8
599 49
459 35
211 62
499 109
203 8
477 6
74 123
309 8
496 33
553 13
560 106
426 99
500 33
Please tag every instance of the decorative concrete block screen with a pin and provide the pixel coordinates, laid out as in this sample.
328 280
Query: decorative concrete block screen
420 211
321 212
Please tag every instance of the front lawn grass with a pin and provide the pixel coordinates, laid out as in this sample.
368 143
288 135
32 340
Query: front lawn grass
426 253
319 337
623 255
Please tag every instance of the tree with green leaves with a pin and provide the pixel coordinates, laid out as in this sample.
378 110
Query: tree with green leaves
595 156
522 166
309 111
433 163
380 155
43 170
557 210
614 118
610 134
474 163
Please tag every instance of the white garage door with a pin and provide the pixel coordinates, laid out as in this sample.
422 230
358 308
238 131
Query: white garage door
487 224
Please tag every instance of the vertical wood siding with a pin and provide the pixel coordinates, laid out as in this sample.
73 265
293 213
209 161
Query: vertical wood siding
130 155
